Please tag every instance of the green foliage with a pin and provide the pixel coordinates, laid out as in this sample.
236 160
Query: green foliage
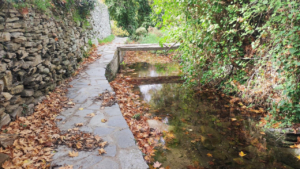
130 14
90 42
144 11
108 39
124 13
79 9
150 38
41 5
141 31
136 116
245 47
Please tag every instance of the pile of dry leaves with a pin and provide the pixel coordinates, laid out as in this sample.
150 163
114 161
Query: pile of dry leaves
38 135
108 99
133 112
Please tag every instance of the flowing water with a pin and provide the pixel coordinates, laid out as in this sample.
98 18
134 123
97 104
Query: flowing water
204 131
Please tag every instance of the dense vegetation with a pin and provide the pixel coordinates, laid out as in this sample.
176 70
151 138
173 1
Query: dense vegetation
130 14
79 9
245 47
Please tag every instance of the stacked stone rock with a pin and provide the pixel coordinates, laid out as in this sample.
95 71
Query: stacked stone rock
36 54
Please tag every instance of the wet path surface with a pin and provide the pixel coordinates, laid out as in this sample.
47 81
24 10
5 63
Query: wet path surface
206 128
122 152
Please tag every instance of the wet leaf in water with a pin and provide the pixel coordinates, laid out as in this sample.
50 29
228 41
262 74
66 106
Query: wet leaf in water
242 154
156 164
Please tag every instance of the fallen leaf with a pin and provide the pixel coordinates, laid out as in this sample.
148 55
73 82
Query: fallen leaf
209 155
101 151
233 119
298 157
242 154
98 138
103 120
91 115
156 164
81 108
73 154
79 124
78 145
103 144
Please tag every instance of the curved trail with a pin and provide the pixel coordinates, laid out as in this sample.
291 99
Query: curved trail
122 152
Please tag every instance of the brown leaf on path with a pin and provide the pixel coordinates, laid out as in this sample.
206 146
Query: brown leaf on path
103 144
7 164
103 120
79 125
101 151
73 154
90 115
78 145
98 138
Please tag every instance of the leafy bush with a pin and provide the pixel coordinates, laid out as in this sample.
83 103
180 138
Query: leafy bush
150 38
141 31
245 47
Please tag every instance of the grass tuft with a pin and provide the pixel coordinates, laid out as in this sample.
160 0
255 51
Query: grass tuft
108 39
150 38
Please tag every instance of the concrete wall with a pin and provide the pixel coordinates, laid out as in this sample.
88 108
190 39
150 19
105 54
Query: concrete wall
113 66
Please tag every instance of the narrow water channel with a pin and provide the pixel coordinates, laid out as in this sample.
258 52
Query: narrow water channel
204 131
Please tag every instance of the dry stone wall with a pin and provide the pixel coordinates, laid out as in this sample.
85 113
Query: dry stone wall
36 53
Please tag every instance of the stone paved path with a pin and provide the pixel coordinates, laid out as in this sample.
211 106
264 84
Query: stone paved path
122 152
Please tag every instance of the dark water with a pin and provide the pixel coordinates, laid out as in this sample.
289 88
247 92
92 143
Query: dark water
207 132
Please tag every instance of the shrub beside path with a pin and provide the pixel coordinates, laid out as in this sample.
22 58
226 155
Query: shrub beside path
121 152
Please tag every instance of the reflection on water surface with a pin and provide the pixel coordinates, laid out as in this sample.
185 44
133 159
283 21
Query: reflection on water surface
206 131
